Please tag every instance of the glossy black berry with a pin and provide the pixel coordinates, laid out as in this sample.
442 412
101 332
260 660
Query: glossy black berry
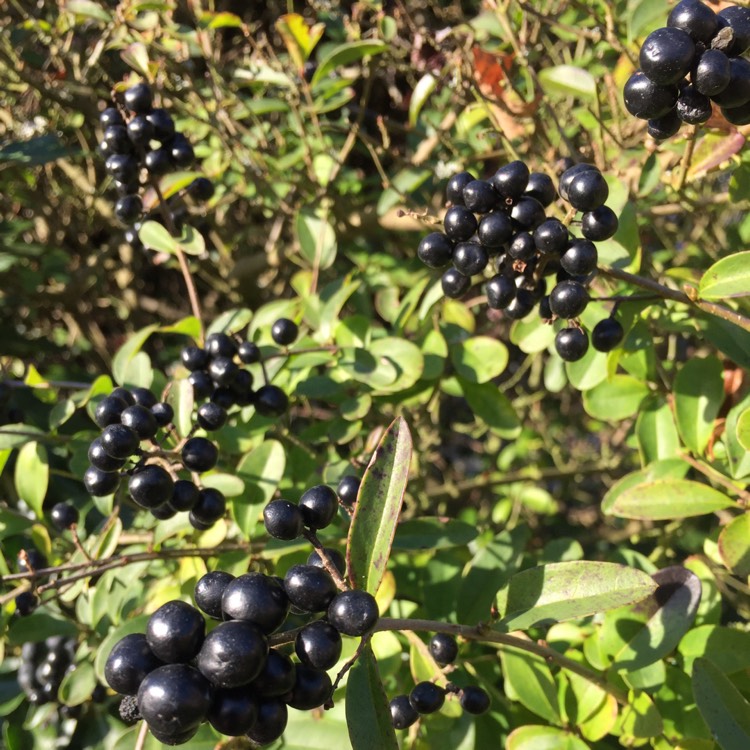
454 283
607 335
353 612
163 512
500 292
318 645
443 648
454 191
128 208
403 714
258 599
138 98
108 411
225 398
63 516
249 352
162 122
163 413
541 187
232 654
309 588
151 486
119 441
495 229
110 116
181 152
427 697
211 507
435 250
571 344
130 660
474 700
199 454
580 258
318 505
588 190
283 520
521 305
271 401
26 602
348 489
158 162
599 224
233 711
122 167
664 127
100 459
737 115
116 139
174 699
522 247
284 332
277 676
312 688
470 258
480 196
568 299
223 371
211 416
545 311
271 721
737 92
209 591
695 18
124 394
645 99
175 632
528 213
551 236
99 483
140 131
738 19
511 180
202 384
201 189
185 495
173 738
194 358
667 55
693 107
333 555
141 420
460 224
712 72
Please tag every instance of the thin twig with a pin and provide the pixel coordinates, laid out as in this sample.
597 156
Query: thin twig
140 742
312 537
719 478
349 664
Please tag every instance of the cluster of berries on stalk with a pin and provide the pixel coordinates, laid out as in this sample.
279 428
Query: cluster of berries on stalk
501 223
694 61
142 137
427 697
238 676
131 418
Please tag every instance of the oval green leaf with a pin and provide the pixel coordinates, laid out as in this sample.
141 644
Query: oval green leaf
479 358
346 54
534 737
728 277
32 476
615 399
698 394
568 80
734 545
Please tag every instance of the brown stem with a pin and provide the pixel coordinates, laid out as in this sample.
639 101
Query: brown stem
349 664
312 537
140 742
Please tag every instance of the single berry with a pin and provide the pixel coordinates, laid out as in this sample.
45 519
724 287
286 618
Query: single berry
403 714
460 224
348 489
163 512
568 299
480 196
551 237
737 92
181 152
249 352
232 654
222 370
117 140
470 258
277 676
309 588
511 180
426 697
199 455
101 460
474 700
258 599
435 250
571 344
271 401
162 122
110 116
599 224
128 663
197 524
318 645
220 345
209 590
312 688
233 711
318 506
495 229
140 131
647 100
353 612
194 358
100 483
211 507
283 520
588 190
211 416
108 411
63 516
125 394
284 332
185 495
141 420
158 162
667 55
522 247
696 19
738 19
138 98
202 384
500 292
151 486
737 115
443 648
163 413
201 189
607 335
333 555
580 258
521 305
26 603
541 187
175 632
693 107
129 208
224 397
271 721
712 72
119 441
454 191
122 167
528 213
454 283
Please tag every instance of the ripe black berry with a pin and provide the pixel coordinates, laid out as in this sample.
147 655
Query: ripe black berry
175 632
474 700
108 411
140 131
211 506
348 489
271 401
163 413
151 486
443 648
202 384
26 603
138 98
128 663
587 190
737 92
545 311
63 516
312 688
222 370
174 699
333 555
580 258
522 247
283 520
541 187
309 588
271 721
571 344
738 18
284 332
511 180
181 152
454 283
470 258
568 299
551 236
480 196
232 654
318 645
528 213
318 506
119 441
667 55
645 99
695 18
162 122
435 250
403 714
256 598
185 494
209 591
141 420
99 483
426 697
233 711
607 334
110 116
163 512
712 73
199 454
249 352
122 167
220 345
211 416
158 162
116 139
277 676
500 292
128 208
194 358
459 223
495 229
224 397
521 305
201 189
692 106
353 612
454 191
100 459
737 115
599 224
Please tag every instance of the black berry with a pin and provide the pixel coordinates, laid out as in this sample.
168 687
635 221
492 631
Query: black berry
209 591
141 420
249 352
220 345
232 654
333 555
495 229
607 334
599 224
108 411
348 489
435 250
353 612
271 401
100 459
194 358
588 190
551 236
284 332
256 598
271 721
454 191
692 106
460 224
277 676
318 506
312 688
309 588
201 189
119 441
318 645
667 55
163 413
443 648
403 714
737 92
511 180
500 292
470 258
211 416
738 19
474 700
522 247
480 196
233 711
151 486
63 516
138 98
695 18
283 520
426 697
175 632
128 663
211 506
99 483
199 454
202 384
571 344
712 72
185 495
646 99
528 213
568 299
580 258
455 284
541 187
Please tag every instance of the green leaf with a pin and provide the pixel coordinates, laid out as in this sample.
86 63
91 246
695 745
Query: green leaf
156 237
77 685
316 237
743 429
13 435
534 737
181 398
728 277
656 431
403 357
425 86
32 476
699 394
491 406
734 545
378 507
433 533
261 470
727 648
568 591
38 626
668 468
128 351
722 706
530 681
89 9
639 718
615 399
346 54
231 321
666 499
479 358
568 80
367 714
35 151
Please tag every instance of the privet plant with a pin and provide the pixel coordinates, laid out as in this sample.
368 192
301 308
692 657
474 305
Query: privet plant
270 480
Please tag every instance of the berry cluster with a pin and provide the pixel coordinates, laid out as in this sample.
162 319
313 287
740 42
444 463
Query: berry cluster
43 666
427 697
128 417
216 375
502 221
144 138
690 63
